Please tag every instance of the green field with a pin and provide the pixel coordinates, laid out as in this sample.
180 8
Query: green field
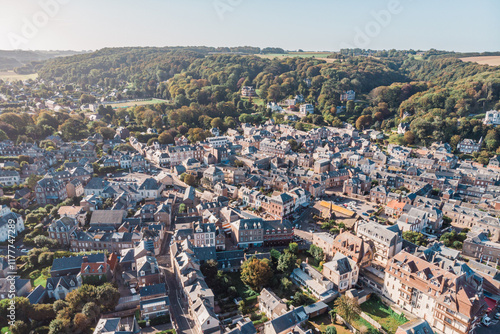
41 280
13 76
383 314
321 55
137 103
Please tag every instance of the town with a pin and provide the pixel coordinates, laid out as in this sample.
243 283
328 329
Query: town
243 190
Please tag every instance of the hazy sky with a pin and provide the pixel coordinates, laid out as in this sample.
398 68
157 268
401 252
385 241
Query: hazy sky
458 25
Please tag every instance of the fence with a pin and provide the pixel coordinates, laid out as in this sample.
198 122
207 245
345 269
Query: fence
372 322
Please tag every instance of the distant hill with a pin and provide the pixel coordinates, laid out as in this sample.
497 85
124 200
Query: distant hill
10 60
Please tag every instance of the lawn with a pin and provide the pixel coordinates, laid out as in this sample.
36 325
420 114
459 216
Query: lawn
13 76
41 280
137 103
383 314
244 291
323 321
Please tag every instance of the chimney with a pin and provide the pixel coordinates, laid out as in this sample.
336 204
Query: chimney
85 259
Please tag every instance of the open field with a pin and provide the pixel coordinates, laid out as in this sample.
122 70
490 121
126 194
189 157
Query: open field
484 60
137 103
320 55
13 76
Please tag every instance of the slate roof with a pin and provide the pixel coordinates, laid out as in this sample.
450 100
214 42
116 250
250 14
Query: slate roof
75 262
152 290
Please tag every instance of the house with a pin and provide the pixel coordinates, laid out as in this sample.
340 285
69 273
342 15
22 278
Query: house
386 241
213 175
403 127
74 188
248 91
108 217
117 325
353 247
469 146
50 191
37 296
342 271
350 95
492 117
270 304
450 302
153 291
306 109
11 223
150 188
156 307
9 177
396 208
415 220
22 287
479 246
72 265
59 287
315 282
148 271
285 323
416 326
61 229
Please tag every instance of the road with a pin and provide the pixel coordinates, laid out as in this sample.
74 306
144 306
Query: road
492 329
178 306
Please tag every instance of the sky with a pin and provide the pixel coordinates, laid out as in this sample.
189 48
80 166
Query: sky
312 25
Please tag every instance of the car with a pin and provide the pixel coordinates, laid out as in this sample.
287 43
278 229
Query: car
364 214
497 316
25 251
486 321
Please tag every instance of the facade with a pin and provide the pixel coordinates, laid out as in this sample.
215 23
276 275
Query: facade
479 246
11 223
306 109
451 303
492 117
342 271
353 247
469 146
271 304
61 230
9 177
50 191
385 241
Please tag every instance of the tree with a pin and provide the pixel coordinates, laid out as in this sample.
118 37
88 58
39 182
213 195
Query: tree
409 137
59 326
19 327
107 296
286 263
293 247
59 305
42 312
364 121
256 273
285 284
81 322
166 138
217 123
107 133
331 330
73 129
316 252
3 135
416 238
190 179
91 310
347 308
33 180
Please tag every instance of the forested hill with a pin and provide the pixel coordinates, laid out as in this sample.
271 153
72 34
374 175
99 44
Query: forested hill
432 90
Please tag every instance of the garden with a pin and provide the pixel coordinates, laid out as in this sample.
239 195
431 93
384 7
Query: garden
383 314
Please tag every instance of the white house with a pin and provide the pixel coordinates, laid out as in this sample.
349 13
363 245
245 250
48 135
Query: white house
306 109
9 221
342 271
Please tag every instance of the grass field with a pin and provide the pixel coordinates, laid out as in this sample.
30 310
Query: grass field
484 60
13 76
383 314
41 280
320 55
137 103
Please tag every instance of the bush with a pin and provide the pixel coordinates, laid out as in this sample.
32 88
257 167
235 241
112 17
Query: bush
160 320
142 323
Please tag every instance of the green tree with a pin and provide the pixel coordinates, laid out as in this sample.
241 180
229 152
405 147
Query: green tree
331 330
286 263
316 252
91 311
416 238
19 327
190 180
293 247
166 138
256 273
73 129
59 326
347 308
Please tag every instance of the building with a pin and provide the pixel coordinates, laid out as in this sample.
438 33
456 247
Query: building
469 146
11 223
314 281
478 245
180 153
353 247
204 235
74 188
287 322
342 271
248 91
350 95
156 307
451 303
306 109
59 287
148 271
417 326
385 241
117 325
280 206
492 117
61 230
50 191
9 177
213 175
271 305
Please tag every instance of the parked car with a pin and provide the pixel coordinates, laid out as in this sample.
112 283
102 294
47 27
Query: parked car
364 214
486 321
497 316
